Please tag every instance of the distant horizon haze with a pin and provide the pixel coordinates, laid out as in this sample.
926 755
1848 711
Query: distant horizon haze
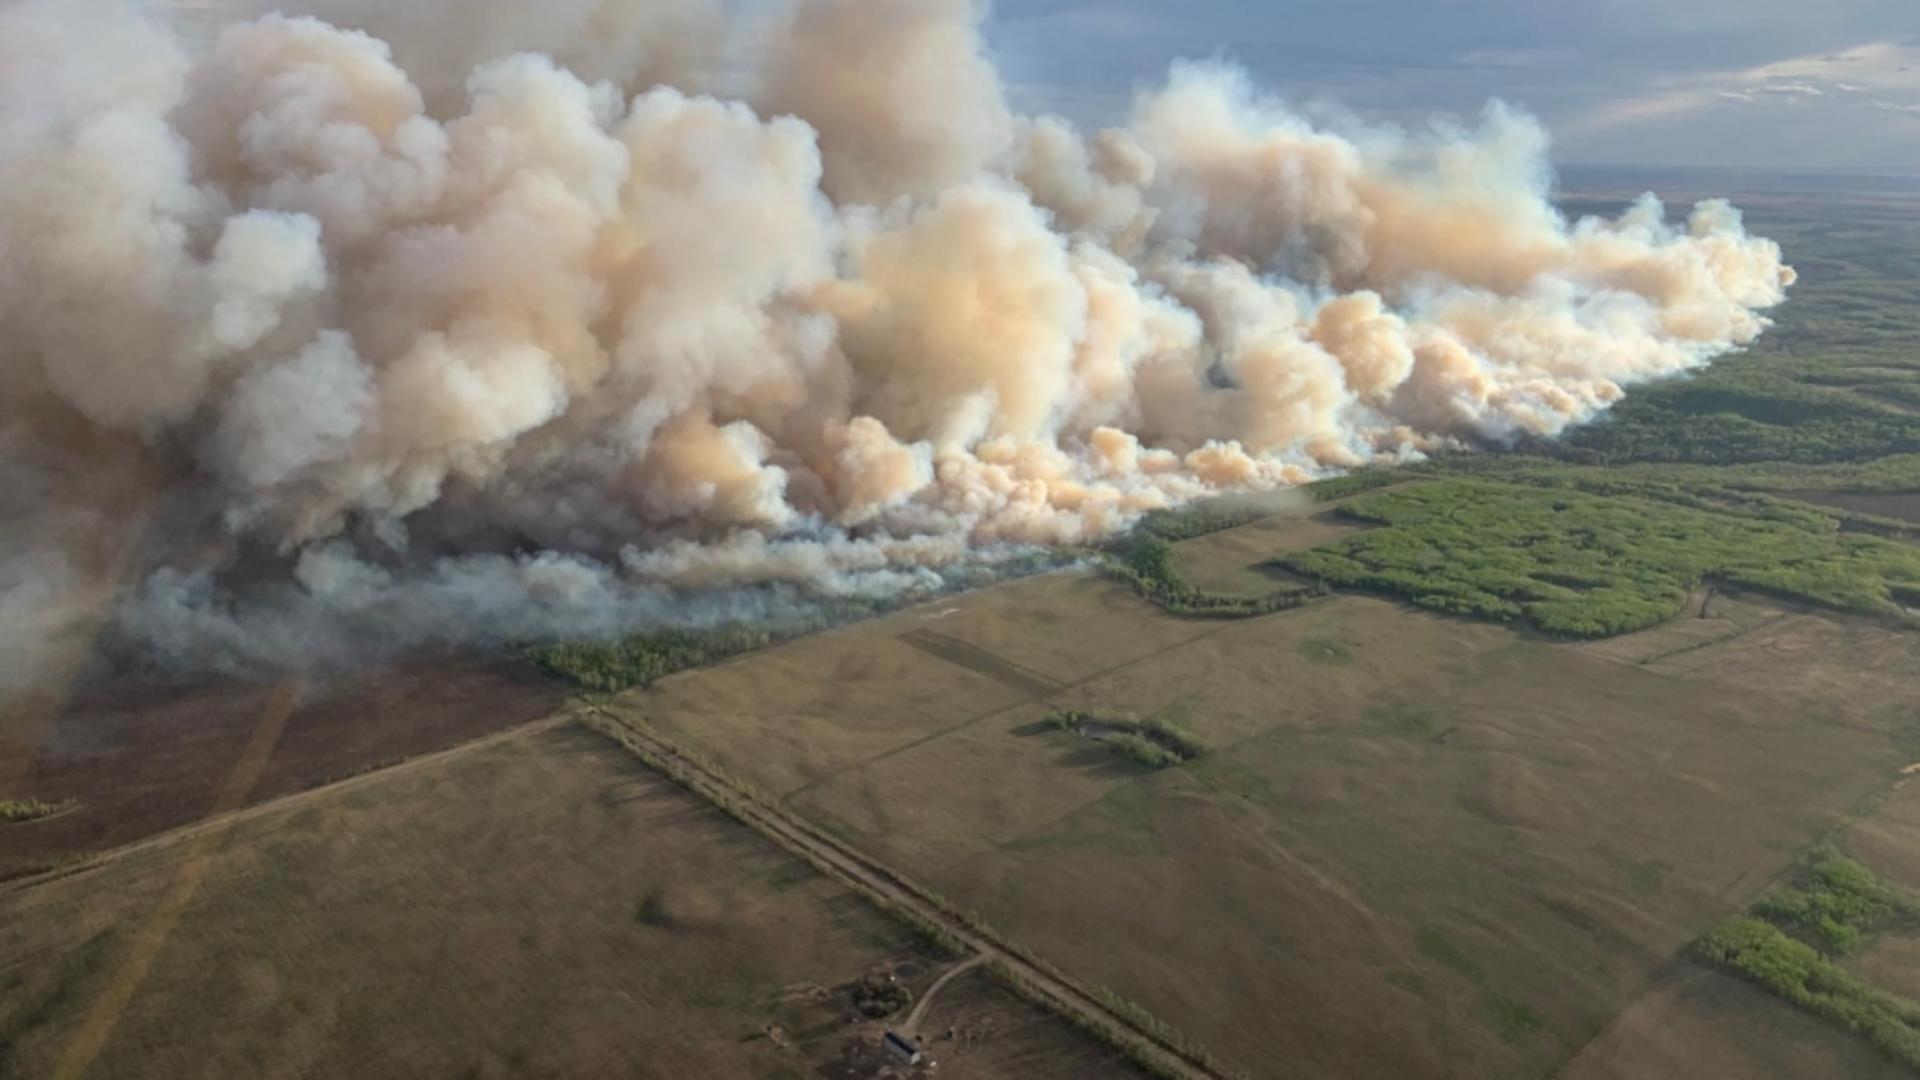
1770 84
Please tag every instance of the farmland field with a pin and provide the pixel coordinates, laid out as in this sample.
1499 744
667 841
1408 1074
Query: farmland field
1570 708
141 759
1414 841
540 906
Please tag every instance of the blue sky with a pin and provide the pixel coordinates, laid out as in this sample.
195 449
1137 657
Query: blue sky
1814 84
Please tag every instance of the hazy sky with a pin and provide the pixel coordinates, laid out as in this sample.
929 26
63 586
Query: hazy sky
1825 84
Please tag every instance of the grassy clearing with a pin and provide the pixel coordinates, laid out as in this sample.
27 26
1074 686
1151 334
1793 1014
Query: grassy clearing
1326 651
1151 742
1583 565
1791 939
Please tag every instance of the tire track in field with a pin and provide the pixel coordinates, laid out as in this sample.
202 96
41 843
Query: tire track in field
976 659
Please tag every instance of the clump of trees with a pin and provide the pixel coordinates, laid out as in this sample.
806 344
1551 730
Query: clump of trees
1790 941
1796 972
1151 742
1147 566
1834 900
15 810
877 996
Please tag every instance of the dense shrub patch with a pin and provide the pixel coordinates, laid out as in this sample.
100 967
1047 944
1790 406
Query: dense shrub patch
1789 941
13 810
1150 742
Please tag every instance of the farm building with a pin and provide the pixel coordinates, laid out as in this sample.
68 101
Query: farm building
903 1048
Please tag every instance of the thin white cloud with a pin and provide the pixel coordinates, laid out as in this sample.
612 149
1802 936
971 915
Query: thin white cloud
1887 68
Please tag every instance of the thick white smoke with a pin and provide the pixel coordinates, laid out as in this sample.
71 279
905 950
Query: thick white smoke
380 309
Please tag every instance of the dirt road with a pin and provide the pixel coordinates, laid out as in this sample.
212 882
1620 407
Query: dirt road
911 1026
876 881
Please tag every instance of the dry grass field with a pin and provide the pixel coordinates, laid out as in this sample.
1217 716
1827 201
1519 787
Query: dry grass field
1417 846
539 906
139 759
1703 1023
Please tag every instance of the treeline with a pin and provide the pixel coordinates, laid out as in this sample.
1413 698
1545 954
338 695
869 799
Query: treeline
1197 519
1147 566
1335 488
1151 742
638 660
1744 412
1790 941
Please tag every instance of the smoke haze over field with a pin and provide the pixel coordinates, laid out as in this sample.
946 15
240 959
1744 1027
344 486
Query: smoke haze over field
447 322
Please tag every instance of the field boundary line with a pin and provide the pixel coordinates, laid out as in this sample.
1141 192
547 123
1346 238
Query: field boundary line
220 819
1220 627
1143 1039
85 1046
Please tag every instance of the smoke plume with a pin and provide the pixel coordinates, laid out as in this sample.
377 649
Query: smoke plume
442 322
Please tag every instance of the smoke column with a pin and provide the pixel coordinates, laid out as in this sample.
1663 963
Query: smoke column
438 322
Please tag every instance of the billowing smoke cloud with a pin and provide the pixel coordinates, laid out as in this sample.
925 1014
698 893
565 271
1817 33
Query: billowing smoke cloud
440 322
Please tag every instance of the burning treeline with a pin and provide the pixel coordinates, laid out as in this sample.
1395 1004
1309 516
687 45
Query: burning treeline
481 317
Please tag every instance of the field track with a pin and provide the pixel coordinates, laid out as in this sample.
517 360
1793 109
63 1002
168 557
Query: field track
912 1023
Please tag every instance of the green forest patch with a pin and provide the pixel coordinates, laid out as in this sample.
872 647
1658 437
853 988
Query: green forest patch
1582 565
